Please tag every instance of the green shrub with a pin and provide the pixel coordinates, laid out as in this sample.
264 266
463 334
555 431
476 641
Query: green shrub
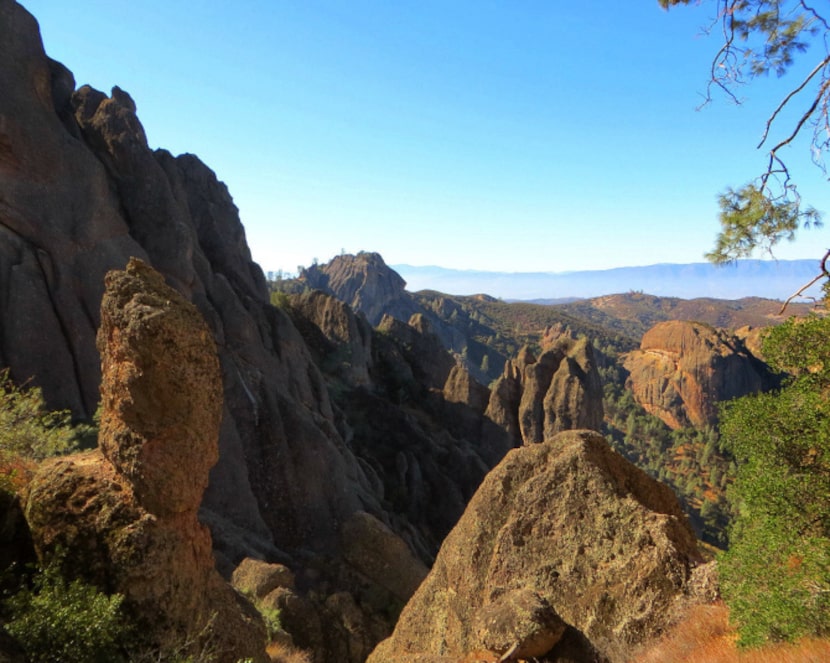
280 299
272 619
66 622
27 428
29 432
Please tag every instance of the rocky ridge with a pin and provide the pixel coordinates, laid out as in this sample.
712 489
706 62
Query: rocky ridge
310 391
395 426
364 282
81 193
369 286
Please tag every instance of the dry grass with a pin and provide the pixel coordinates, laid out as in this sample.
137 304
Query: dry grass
279 653
15 472
706 636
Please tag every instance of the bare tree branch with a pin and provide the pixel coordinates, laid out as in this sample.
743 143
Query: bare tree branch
823 275
822 90
819 67
815 14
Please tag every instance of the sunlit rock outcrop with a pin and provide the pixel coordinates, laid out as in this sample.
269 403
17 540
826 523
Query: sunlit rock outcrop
565 550
535 398
684 369
125 516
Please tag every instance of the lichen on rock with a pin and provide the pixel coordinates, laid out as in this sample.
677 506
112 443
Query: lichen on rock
594 550
123 517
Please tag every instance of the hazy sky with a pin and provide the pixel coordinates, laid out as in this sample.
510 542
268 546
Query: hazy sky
518 135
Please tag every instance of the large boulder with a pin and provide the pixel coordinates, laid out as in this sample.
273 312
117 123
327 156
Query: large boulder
684 369
563 538
125 516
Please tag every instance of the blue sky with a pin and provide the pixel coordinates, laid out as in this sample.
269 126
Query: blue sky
520 135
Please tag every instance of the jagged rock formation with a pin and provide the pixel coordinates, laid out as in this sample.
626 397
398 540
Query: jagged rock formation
369 286
125 516
421 348
532 561
323 419
416 425
80 193
365 283
683 369
336 333
561 390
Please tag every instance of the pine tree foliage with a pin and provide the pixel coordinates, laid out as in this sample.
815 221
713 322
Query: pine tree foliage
762 37
776 573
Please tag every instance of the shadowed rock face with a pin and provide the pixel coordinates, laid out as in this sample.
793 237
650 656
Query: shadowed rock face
683 369
125 517
365 283
334 332
537 398
563 537
80 193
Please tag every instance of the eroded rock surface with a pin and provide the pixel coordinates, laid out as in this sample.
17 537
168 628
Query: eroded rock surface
683 369
575 534
535 398
125 517
365 283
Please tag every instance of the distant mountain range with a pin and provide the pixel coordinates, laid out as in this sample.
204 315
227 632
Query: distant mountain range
746 278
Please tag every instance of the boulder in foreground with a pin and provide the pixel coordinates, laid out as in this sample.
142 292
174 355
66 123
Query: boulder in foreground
596 555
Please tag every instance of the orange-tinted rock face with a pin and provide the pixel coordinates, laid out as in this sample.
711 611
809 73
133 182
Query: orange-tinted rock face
124 517
683 369
161 392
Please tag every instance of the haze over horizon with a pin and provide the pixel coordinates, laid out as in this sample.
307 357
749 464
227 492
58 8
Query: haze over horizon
472 135
745 278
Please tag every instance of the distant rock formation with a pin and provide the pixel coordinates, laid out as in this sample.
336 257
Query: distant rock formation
537 398
365 283
369 286
416 424
124 517
683 369
566 550
336 333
